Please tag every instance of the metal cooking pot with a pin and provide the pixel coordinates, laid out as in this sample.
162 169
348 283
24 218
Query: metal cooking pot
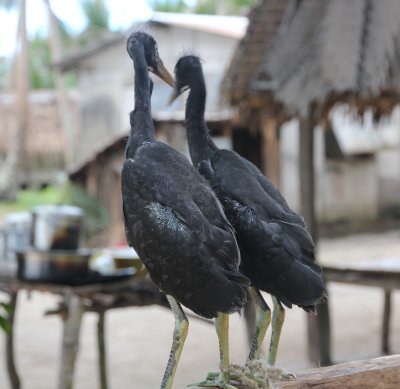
56 227
53 266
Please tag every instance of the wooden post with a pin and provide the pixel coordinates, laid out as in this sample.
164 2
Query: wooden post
102 350
70 340
12 370
386 321
318 326
270 148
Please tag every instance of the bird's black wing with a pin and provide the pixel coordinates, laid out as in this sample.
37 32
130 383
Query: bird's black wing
177 225
281 249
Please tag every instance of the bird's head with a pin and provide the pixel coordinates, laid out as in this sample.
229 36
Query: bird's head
187 71
152 57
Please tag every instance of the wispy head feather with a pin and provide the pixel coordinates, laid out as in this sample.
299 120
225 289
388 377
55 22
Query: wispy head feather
141 27
188 51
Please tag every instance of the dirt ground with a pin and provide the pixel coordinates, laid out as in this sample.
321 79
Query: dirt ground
138 339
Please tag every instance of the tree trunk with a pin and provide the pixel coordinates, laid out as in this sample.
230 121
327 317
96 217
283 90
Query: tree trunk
62 96
13 168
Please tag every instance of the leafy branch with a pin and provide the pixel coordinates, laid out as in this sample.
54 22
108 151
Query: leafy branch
5 314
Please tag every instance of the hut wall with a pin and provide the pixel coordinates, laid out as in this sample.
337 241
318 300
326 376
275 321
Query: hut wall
389 180
345 190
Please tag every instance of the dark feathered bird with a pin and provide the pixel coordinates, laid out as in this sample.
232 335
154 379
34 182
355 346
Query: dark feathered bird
276 248
174 220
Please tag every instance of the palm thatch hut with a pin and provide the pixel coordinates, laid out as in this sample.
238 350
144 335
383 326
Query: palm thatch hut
300 58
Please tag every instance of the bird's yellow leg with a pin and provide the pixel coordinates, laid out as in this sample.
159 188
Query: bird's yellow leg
263 319
278 317
179 337
222 379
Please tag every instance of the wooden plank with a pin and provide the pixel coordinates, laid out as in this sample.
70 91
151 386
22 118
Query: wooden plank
383 280
378 373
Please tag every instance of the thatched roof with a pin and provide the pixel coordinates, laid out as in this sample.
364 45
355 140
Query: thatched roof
265 19
329 51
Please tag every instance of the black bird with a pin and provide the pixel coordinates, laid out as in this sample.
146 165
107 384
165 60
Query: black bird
174 220
276 248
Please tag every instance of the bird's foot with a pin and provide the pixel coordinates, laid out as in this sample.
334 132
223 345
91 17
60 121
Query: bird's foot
257 374
215 380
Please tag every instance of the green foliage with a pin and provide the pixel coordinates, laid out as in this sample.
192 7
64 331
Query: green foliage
223 7
5 68
39 60
5 313
26 199
96 217
169 5
8 4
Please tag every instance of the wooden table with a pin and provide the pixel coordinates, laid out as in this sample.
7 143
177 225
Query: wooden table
379 272
77 300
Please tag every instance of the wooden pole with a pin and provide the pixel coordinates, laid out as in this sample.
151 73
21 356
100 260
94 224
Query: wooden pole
387 307
318 326
270 148
102 350
70 341
11 367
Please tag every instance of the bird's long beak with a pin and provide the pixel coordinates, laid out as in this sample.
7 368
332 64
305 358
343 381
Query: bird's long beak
163 73
175 94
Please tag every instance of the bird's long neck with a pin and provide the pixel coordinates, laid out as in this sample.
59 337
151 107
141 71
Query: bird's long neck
142 128
200 143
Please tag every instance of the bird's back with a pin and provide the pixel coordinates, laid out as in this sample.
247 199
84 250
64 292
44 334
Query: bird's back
276 247
176 224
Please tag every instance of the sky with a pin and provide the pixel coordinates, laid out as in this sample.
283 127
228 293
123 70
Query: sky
123 14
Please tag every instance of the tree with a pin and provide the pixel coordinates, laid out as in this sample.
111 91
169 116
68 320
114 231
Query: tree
54 43
98 20
223 7
12 168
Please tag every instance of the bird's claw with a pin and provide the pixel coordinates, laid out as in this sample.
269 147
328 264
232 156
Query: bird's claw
214 380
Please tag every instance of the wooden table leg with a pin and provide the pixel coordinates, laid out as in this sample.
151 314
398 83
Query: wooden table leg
11 367
386 321
70 340
319 336
102 358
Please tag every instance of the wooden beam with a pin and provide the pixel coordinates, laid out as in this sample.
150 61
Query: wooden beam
382 373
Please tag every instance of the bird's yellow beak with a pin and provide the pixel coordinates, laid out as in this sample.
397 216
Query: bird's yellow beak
163 73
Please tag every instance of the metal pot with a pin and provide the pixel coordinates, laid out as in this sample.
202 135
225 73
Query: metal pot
53 266
56 227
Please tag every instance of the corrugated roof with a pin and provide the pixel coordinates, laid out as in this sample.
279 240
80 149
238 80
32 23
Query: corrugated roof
230 26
